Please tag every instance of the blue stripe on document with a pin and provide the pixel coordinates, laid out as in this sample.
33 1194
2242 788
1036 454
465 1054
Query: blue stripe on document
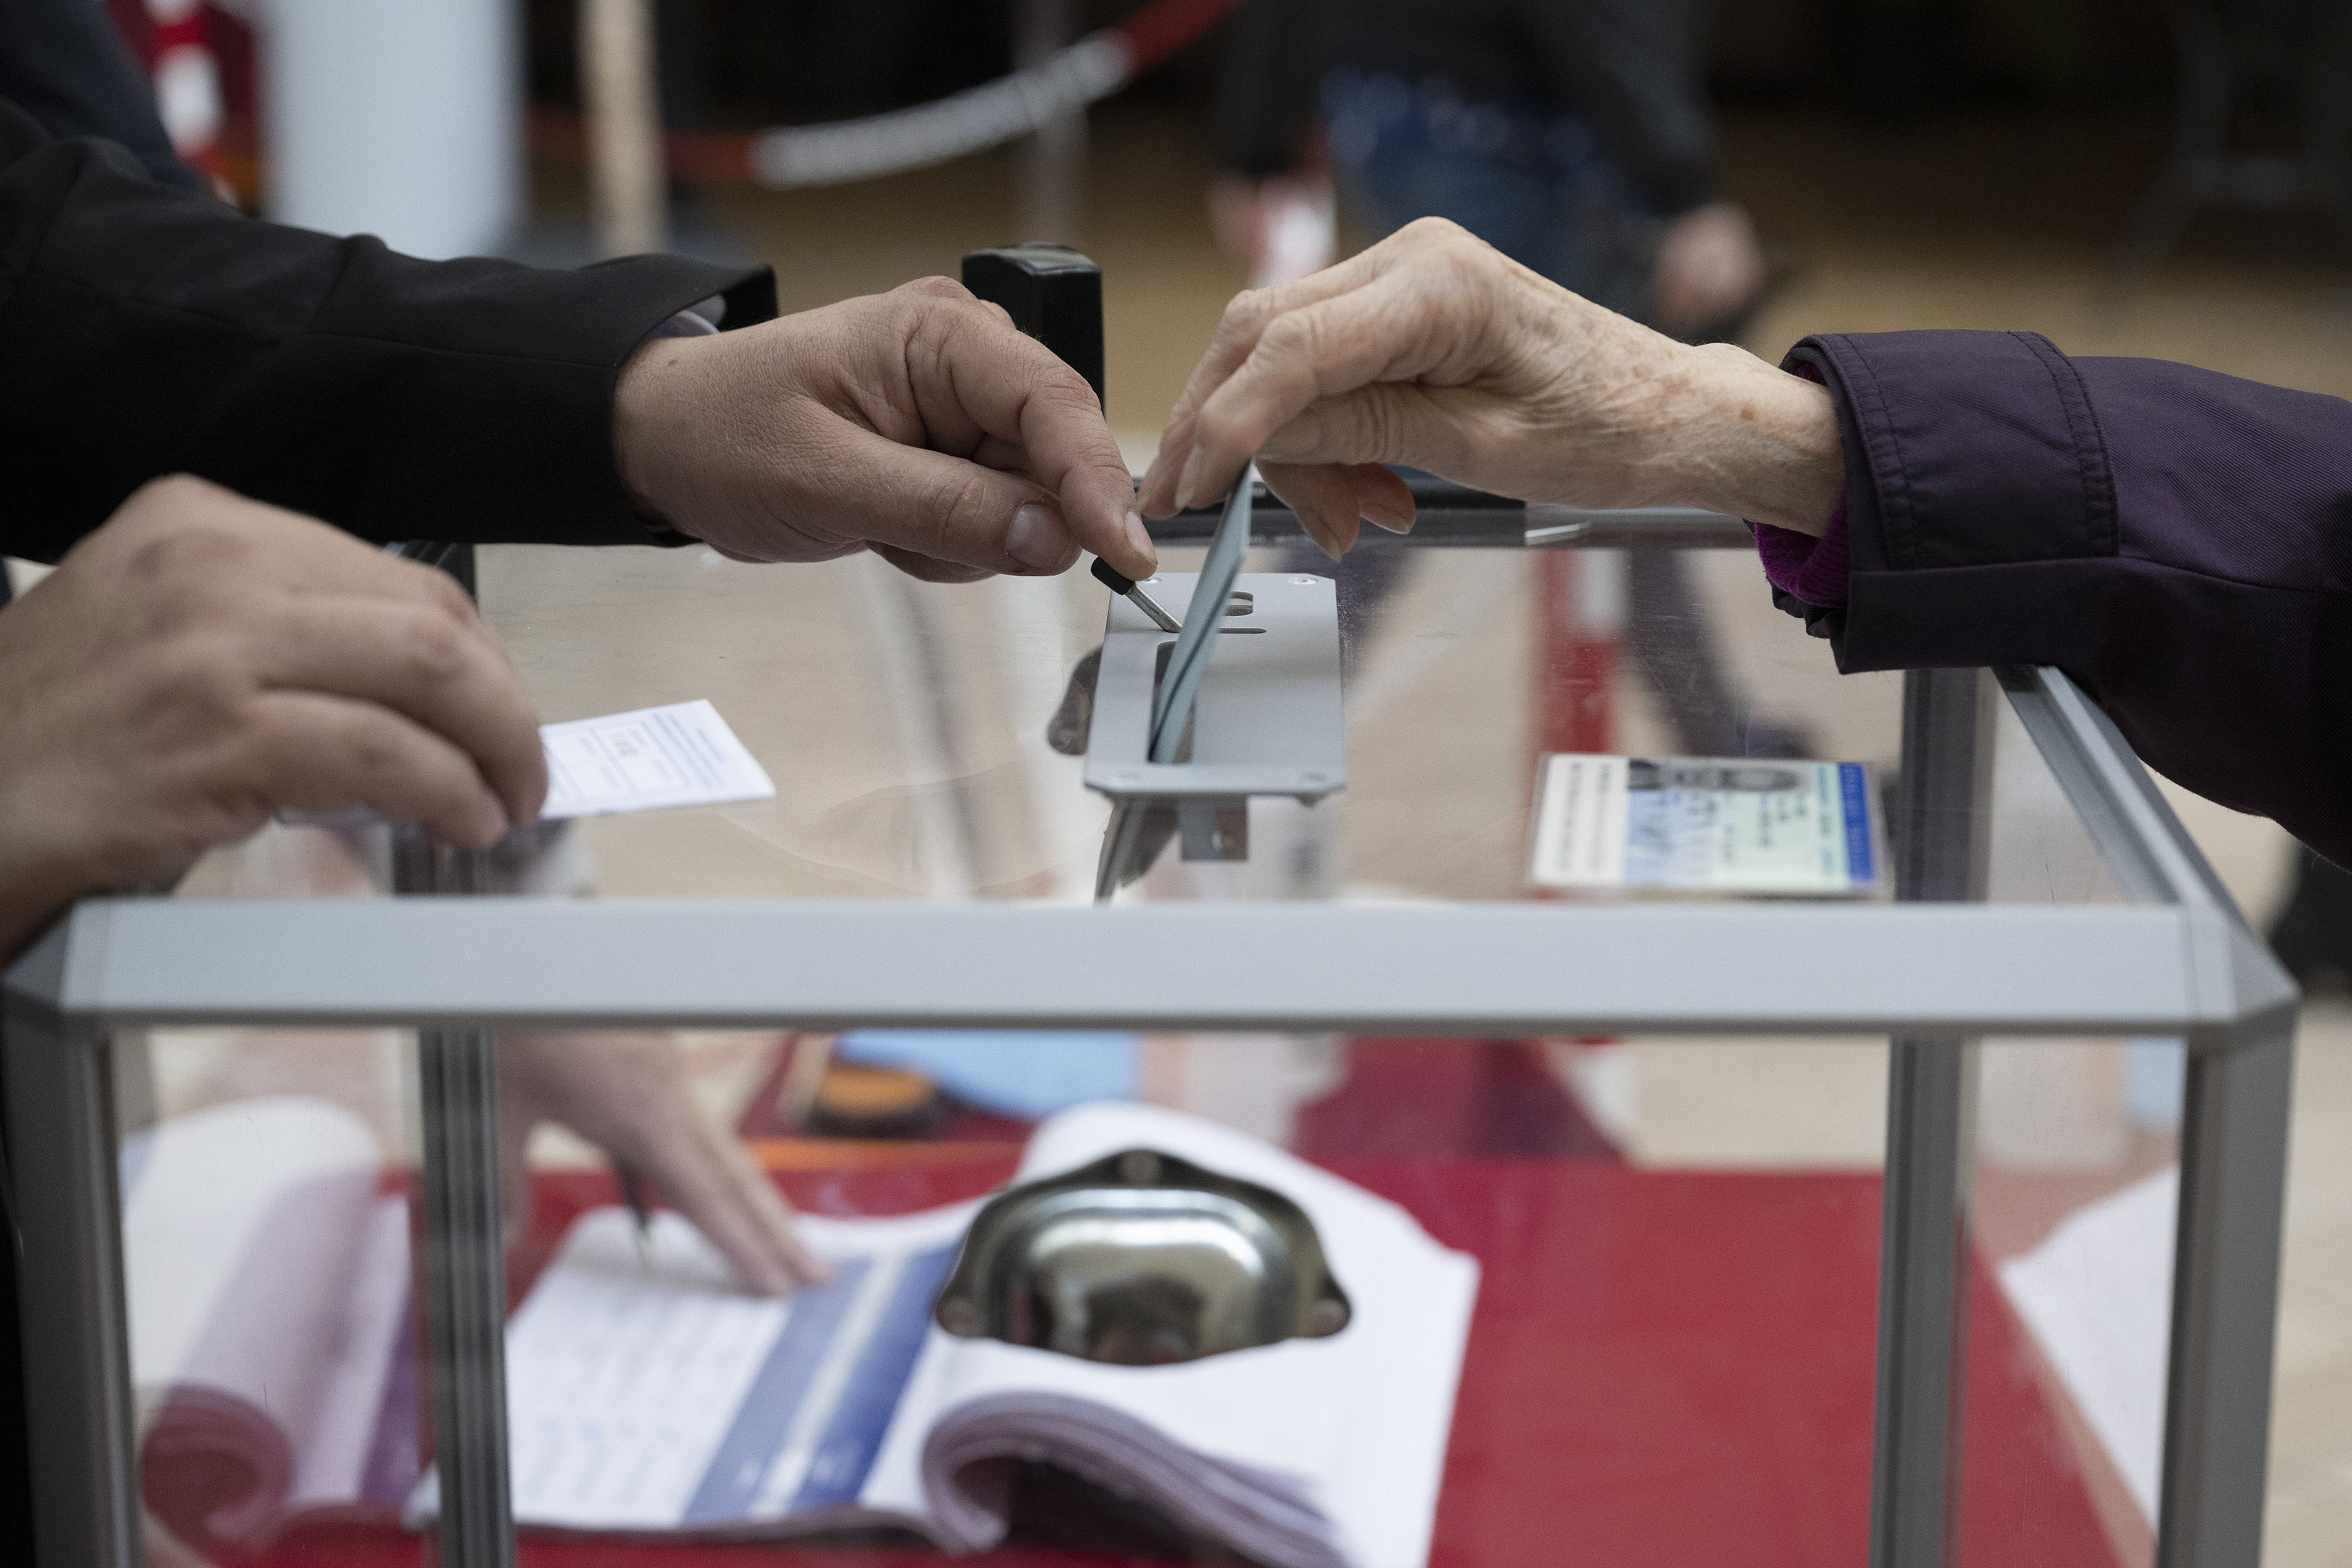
774 1397
845 1454
1854 785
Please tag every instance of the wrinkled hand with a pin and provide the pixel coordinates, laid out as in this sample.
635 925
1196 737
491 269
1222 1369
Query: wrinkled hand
1431 350
202 661
627 1094
1710 267
919 424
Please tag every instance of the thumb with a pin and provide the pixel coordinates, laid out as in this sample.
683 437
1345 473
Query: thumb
925 503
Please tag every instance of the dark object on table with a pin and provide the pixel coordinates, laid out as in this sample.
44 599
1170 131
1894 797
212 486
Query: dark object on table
1052 293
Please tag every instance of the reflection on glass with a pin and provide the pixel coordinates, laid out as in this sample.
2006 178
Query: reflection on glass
266 1241
1675 1244
2073 1215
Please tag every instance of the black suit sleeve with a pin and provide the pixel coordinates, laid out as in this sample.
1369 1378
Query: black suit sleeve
145 331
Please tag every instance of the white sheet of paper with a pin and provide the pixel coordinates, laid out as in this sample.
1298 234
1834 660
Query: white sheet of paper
682 754
2097 1296
645 1392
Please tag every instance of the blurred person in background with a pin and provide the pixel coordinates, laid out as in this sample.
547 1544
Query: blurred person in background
1571 135
2171 538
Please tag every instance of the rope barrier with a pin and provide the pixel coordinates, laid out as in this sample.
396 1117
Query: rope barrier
1010 107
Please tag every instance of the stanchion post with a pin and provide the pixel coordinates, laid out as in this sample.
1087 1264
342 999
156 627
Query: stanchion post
1053 165
627 171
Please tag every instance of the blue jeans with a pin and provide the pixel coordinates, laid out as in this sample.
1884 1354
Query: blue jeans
1532 183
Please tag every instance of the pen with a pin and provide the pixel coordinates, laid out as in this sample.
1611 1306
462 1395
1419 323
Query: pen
1111 577
633 1192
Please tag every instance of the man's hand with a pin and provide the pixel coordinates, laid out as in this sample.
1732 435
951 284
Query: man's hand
1431 350
918 424
204 660
627 1094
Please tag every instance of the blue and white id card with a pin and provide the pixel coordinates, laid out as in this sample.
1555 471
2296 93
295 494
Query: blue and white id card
1707 825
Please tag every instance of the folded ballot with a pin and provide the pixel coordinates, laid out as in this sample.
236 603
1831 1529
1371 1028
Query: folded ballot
648 1395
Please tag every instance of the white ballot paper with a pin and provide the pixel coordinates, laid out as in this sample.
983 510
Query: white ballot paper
682 754
1702 825
647 1394
2098 1297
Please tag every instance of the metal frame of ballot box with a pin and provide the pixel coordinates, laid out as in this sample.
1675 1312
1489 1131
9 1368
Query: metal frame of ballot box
1933 971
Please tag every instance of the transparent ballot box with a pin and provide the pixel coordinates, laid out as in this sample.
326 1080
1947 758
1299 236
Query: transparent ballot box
1285 1154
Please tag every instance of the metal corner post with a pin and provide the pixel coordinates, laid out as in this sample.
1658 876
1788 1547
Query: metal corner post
65 1191
465 1258
2234 1142
2225 1279
1930 1138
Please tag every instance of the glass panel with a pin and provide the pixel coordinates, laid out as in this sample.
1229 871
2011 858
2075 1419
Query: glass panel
1669 1335
2038 851
276 1344
920 738
2072 1214
1678 1239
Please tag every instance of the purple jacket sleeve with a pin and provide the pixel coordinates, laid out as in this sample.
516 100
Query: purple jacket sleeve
2177 540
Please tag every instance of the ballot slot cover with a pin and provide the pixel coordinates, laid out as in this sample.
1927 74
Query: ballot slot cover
1243 700
1142 1259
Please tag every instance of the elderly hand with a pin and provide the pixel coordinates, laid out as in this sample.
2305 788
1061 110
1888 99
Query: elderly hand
919 424
202 661
1431 350
627 1094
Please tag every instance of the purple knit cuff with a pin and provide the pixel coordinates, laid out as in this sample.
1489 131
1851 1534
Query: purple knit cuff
1811 570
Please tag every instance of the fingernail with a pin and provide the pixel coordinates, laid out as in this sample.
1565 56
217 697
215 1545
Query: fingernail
1318 530
1140 537
1037 538
1384 517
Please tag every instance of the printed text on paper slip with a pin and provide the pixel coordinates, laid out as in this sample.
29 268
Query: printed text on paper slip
682 754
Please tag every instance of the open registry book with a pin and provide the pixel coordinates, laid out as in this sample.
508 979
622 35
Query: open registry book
647 1394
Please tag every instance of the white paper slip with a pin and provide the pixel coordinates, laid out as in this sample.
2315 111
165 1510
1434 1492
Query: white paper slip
1722 825
682 754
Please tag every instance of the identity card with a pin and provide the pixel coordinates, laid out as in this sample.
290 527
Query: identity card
1707 824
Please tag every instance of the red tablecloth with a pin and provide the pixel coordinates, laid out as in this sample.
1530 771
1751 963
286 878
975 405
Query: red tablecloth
1665 1368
